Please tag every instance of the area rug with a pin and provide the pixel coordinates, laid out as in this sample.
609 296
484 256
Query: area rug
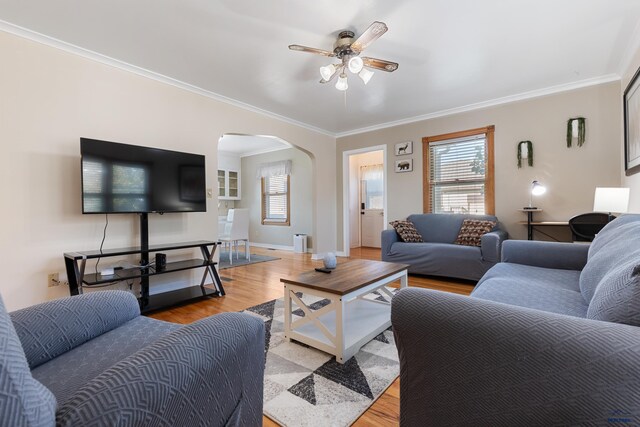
224 260
307 387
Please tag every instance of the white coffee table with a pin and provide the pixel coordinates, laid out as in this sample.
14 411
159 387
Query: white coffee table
349 321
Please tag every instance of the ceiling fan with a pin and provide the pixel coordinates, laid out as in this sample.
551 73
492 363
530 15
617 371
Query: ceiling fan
348 51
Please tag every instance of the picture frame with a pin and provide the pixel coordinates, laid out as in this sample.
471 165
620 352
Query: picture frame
631 105
402 148
404 165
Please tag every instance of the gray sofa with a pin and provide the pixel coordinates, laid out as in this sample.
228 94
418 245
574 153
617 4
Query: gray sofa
93 360
438 255
550 336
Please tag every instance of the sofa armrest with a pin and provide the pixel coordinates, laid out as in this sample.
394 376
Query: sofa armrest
388 238
564 256
207 373
491 245
52 328
466 361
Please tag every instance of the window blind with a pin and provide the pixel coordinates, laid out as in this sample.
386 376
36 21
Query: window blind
457 175
275 198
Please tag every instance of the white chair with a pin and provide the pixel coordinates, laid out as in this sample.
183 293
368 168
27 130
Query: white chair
236 229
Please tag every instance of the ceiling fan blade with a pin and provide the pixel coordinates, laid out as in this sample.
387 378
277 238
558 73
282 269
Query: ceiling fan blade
370 35
380 64
322 52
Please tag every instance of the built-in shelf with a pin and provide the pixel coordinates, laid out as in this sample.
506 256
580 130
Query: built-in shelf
228 184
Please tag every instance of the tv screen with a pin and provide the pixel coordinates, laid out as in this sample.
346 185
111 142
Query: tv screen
122 178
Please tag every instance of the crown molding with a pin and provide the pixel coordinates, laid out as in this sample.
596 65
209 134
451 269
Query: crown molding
486 104
265 151
103 59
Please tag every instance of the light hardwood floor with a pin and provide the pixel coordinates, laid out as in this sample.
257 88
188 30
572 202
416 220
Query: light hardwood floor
257 283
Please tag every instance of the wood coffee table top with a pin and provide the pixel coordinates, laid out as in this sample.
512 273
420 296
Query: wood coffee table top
347 276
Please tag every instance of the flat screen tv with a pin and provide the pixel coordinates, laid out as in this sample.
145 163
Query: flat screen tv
122 178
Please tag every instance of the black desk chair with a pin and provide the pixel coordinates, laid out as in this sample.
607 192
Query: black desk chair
584 227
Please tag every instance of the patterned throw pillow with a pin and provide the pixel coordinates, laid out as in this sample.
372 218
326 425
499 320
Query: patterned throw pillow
472 231
407 231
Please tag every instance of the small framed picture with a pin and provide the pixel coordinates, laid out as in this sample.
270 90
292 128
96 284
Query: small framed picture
405 165
403 148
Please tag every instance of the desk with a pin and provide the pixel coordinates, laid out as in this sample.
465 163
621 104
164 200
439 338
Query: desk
531 224
534 224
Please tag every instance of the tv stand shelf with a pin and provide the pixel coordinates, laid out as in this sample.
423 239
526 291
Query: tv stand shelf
76 262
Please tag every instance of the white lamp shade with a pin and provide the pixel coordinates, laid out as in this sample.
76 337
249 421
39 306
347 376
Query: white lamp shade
355 64
328 71
611 199
365 75
537 189
342 84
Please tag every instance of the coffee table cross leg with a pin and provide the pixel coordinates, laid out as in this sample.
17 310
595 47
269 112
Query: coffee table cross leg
313 316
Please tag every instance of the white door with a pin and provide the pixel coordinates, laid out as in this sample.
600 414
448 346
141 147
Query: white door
371 204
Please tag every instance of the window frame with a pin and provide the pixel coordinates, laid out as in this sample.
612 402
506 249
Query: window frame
263 193
489 181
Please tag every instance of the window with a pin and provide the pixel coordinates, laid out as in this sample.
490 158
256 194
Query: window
459 172
372 186
275 200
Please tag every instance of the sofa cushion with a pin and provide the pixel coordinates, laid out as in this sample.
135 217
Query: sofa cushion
440 259
612 248
545 289
472 230
617 297
442 228
68 372
23 400
407 231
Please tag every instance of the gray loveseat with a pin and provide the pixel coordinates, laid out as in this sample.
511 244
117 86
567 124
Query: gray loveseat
550 336
93 360
438 255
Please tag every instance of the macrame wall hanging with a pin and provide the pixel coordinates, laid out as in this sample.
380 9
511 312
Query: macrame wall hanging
525 151
576 129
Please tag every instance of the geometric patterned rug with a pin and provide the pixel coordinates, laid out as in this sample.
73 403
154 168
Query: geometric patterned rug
304 386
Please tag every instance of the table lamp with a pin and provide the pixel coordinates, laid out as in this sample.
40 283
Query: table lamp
611 199
536 190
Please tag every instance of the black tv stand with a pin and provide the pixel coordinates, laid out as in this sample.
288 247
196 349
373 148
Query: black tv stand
76 262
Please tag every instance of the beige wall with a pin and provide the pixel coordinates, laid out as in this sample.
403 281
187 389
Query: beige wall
300 198
633 181
570 175
49 99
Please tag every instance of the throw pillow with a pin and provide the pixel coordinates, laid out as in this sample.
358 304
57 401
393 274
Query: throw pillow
407 231
472 230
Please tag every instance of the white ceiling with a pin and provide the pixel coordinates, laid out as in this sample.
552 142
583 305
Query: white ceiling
249 145
452 54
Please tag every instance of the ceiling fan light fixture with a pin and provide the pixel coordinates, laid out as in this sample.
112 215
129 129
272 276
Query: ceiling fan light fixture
328 71
355 64
365 75
342 84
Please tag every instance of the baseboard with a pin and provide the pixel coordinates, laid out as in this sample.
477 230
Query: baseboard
278 247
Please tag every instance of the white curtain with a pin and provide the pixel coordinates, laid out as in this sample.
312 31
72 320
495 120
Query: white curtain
372 177
372 173
282 167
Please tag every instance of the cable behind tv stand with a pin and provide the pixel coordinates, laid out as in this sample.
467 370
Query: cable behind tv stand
75 263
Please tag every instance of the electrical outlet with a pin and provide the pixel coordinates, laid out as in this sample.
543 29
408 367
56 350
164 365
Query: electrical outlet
53 279
209 193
